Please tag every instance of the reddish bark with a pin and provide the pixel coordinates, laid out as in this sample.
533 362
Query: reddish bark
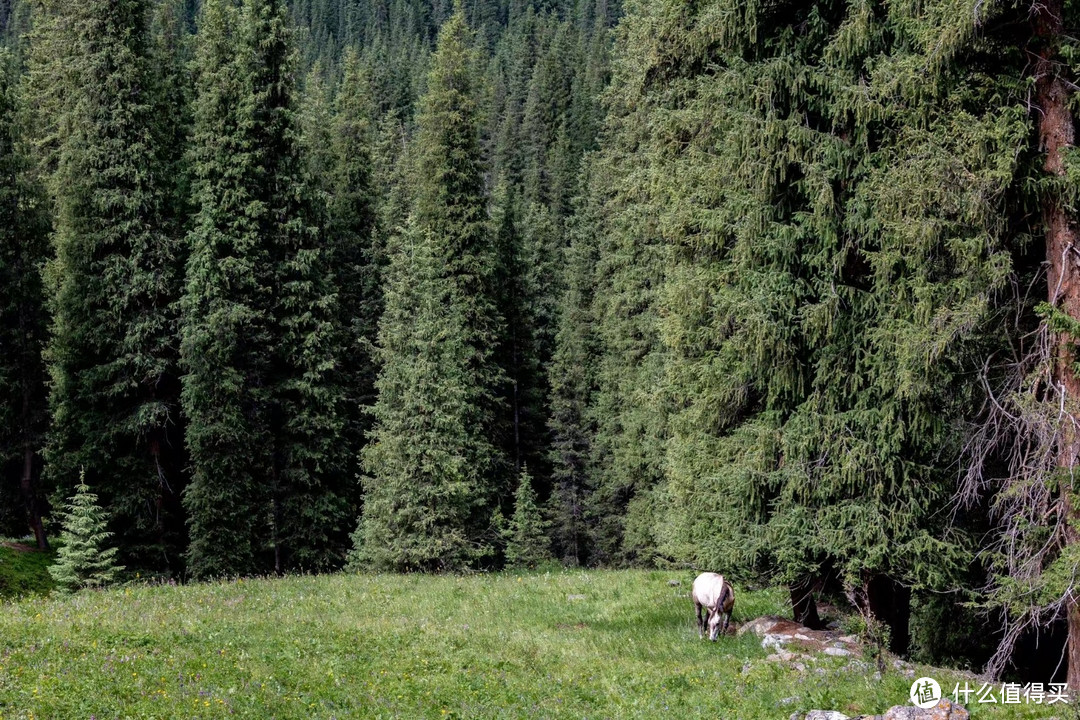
1057 134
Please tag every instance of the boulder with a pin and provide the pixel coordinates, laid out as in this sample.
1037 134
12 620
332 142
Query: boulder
761 625
820 715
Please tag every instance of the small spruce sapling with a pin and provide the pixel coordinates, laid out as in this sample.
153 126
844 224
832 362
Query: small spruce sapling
527 542
82 561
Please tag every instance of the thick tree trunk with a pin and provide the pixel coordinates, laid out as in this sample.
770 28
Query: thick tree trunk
1056 135
803 606
890 602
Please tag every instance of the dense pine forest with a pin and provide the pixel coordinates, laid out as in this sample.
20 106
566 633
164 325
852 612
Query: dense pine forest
788 290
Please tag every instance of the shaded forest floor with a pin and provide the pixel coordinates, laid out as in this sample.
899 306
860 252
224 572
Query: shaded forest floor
566 644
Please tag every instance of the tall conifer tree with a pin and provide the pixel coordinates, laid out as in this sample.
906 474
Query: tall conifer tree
821 297
23 320
358 258
628 406
573 382
432 468
257 338
115 278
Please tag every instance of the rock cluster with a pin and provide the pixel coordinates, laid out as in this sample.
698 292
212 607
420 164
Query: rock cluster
794 643
791 642
944 710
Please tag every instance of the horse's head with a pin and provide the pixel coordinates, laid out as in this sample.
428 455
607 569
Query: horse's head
716 621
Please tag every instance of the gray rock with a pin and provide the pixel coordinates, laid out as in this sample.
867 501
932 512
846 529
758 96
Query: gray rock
674 583
788 700
572 598
824 715
837 652
946 709
859 667
774 641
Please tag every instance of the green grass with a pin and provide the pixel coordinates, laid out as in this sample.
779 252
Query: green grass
22 571
358 646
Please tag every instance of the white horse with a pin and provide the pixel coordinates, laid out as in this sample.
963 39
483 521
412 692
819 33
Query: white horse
715 595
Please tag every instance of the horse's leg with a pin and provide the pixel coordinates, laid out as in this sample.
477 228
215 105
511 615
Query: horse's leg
700 622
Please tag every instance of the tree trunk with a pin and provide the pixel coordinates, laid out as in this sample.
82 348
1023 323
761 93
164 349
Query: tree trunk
1056 135
26 481
890 602
803 607
275 539
26 485
159 501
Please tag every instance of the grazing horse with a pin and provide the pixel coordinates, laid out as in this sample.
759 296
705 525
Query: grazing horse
714 594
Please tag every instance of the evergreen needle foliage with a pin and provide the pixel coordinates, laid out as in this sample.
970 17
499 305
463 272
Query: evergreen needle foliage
83 561
527 541
762 287
258 341
24 246
114 277
432 468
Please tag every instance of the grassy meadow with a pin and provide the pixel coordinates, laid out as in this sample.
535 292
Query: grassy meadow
566 644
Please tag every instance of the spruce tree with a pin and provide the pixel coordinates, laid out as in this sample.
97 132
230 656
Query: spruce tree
573 382
258 343
629 406
545 116
357 257
822 296
1023 450
23 319
527 248
432 469
509 73
83 561
115 276
528 544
